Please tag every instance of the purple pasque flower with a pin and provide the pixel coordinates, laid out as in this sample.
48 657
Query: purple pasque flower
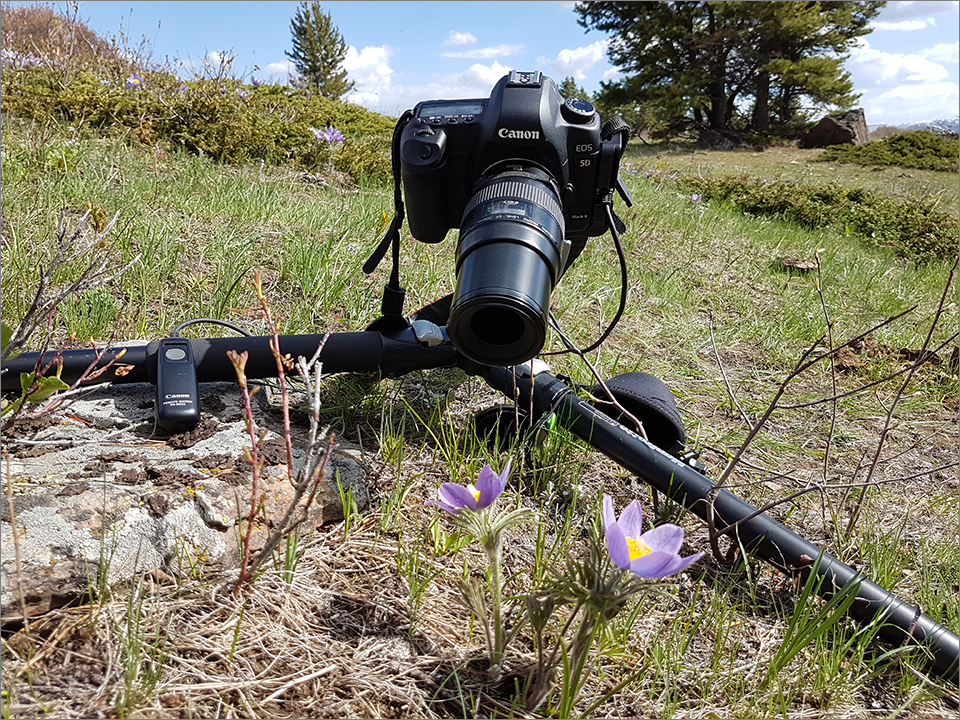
135 80
255 81
653 554
696 197
242 94
330 134
456 498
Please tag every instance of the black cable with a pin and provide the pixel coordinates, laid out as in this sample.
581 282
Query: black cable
621 256
210 321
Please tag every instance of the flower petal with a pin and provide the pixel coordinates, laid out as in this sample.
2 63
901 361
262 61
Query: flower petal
659 564
616 541
457 496
666 538
631 520
681 563
652 564
609 517
617 546
490 485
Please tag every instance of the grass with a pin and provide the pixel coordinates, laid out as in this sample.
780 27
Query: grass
364 620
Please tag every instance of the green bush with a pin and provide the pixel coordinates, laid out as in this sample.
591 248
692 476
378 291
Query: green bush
222 119
922 150
913 230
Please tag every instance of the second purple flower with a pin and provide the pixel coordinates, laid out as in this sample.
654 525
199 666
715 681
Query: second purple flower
455 498
653 554
329 134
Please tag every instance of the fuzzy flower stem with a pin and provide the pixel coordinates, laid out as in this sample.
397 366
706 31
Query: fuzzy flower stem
545 670
493 558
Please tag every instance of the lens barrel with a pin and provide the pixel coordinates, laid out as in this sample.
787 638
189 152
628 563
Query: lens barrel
509 258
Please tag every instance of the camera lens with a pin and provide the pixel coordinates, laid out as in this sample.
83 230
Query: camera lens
509 259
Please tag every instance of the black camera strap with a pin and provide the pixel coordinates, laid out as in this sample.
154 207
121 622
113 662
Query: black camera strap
393 232
393 294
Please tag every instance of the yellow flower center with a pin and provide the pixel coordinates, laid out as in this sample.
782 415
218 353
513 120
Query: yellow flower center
474 491
637 548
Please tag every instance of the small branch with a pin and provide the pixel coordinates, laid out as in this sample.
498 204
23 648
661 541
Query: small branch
723 374
855 515
833 368
239 361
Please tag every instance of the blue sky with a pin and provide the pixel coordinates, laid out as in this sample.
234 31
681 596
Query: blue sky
404 52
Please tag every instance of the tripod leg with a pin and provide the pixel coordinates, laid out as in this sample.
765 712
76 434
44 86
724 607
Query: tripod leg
763 537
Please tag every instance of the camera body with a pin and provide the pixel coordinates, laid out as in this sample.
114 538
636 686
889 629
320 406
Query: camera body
527 176
451 144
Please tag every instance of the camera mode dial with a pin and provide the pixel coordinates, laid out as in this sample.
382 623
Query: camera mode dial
577 110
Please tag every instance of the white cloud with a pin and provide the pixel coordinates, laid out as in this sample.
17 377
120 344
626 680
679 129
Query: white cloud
574 62
613 74
282 69
459 38
943 52
900 88
871 68
896 11
904 25
480 78
911 103
487 53
368 66
475 82
370 70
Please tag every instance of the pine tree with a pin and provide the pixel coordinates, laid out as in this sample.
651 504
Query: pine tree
704 62
318 52
569 89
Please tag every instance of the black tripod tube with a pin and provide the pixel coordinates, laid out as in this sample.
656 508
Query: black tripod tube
900 623
357 352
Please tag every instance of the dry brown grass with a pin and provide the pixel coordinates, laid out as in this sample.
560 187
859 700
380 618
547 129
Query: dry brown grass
338 641
55 38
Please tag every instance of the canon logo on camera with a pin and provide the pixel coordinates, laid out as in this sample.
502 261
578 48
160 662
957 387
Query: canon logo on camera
519 134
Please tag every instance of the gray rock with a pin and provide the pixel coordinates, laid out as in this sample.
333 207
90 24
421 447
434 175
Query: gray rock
849 128
98 497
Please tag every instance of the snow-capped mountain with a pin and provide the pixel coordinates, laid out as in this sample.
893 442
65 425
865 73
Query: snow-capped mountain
940 126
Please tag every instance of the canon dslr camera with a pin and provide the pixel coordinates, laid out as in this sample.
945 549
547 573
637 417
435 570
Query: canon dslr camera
524 175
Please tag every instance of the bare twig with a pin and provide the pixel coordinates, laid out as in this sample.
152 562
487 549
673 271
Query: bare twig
239 361
320 443
833 367
807 360
723 374
97 272
855 514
